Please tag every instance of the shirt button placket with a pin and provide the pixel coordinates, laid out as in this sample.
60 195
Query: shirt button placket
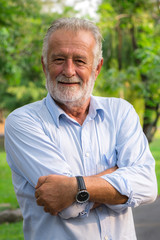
87 154
86 147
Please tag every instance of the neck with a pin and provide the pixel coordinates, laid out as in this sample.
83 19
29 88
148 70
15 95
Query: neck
78 113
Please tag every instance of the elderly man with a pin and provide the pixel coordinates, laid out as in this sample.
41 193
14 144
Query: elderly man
79 163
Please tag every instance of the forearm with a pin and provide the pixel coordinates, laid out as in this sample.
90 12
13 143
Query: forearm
103 192
61 188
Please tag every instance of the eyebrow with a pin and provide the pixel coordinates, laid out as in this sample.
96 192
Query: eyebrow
57 55
64 55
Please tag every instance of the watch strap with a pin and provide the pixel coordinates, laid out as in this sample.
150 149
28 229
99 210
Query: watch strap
81 183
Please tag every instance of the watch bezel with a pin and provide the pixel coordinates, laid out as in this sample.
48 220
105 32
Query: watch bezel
78 195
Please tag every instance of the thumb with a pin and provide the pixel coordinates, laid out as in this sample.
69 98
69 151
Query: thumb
41 181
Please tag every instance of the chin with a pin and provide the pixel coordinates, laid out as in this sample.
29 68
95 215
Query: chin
71 102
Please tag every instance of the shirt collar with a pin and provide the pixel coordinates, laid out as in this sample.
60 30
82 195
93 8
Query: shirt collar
54 109
94 109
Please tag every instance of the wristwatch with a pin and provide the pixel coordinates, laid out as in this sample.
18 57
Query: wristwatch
82 195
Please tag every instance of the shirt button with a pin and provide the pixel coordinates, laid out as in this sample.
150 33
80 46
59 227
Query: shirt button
87 154
106 238
82 213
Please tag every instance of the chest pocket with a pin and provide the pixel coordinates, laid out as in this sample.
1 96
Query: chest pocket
109 160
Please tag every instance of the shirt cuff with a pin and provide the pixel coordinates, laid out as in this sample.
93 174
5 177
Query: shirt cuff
76 210
121 207
123 187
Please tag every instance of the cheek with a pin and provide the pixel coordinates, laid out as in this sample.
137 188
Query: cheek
84 75
55 71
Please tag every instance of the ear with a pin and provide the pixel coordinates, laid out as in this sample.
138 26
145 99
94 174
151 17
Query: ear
98 69
44 66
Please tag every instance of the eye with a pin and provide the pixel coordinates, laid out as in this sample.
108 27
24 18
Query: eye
80 62
58 60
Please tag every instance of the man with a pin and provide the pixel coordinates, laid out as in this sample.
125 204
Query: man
79 163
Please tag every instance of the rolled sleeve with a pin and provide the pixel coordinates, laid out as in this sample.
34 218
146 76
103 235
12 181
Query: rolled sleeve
135 176
137 182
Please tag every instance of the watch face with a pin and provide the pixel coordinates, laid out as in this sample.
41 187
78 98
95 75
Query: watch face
82 196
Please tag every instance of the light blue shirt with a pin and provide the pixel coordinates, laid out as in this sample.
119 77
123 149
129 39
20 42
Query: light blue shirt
41 139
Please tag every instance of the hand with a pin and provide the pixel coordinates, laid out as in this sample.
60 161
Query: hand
55 192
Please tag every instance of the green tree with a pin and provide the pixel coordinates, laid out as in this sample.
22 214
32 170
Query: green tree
19 43
132 55
23 24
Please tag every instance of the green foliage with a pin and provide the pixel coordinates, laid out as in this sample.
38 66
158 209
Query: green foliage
131 53
23 25
149 65
19 51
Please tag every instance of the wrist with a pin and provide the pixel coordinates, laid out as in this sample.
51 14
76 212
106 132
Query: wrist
82 194
73 188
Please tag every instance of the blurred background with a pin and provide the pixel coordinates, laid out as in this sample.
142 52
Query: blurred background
131 70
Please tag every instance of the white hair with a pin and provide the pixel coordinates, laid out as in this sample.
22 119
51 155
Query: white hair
75 24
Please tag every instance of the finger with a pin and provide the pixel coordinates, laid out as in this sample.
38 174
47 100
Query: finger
52 212
36 194
113 169
96 205
41 180
39 202
46 209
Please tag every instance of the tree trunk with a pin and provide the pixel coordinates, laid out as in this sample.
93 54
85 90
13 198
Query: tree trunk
1 115
150 122
119 31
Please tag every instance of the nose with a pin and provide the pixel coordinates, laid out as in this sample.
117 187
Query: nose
69 68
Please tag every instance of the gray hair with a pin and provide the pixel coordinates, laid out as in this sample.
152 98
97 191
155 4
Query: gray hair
75 24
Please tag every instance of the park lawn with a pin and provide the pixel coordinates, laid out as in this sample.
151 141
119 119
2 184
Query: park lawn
11 231
8 231
7 194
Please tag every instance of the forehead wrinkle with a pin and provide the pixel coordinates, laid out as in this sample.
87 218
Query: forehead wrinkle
79 49
71 39
71 46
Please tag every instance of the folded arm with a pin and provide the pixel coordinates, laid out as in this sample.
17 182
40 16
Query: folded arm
134 182
56 193
31 154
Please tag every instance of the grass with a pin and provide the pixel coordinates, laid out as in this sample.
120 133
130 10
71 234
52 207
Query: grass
8 231
13 231
7 194
155 149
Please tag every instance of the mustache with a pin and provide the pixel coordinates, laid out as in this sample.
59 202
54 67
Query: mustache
64 79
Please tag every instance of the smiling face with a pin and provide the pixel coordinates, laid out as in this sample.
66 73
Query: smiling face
69 71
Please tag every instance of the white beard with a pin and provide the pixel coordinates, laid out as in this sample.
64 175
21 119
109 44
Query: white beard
71 95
